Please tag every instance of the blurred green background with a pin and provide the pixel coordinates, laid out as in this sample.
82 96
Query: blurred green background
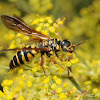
82 23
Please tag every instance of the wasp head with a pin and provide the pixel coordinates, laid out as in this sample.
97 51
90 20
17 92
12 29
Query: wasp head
66 46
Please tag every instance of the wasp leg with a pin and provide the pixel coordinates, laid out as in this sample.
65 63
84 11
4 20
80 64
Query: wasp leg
41 64
56 63
58 56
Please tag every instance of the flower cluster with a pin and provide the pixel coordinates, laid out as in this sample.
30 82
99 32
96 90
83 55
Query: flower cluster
30 81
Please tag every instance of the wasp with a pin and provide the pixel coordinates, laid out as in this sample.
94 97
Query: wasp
47 45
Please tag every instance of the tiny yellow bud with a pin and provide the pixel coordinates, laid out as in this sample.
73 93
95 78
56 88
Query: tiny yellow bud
18 35
45 32
46 80
95 90
68 64
46 25
62 96
58 81
21 98
9 97
50 20
74 89
5 88
41 19
55 25
29 84
55 77
37 79
17 89
52 29
11 36
35 21
65 85
34 69
12 46
87 82
1 94
20 71
10 82
26 38
61 70
38 28
53 86
59 90
20 82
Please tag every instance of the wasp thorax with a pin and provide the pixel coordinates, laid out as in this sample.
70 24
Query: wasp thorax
66 45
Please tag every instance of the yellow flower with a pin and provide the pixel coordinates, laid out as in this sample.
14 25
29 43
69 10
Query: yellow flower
95 90
46 25
53 86
46 80
41 19
50 20
55 77
5 88
59 21
61 70
26 38
20 83
55 25
58 81
10 82
11 36
35 21
74 61
68 64
29 84
62 96
1 94
21 98
52 29
45 32
12 46
74 89
18 35
69 54
20 71
65 85
9 97
34 69
59 90
17 89
38 28
87 82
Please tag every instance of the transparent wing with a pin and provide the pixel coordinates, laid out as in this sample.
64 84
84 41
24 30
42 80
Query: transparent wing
17 24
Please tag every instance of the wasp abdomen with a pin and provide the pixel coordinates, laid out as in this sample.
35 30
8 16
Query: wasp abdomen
22 57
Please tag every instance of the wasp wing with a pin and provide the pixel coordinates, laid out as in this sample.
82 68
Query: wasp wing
26 48
16 24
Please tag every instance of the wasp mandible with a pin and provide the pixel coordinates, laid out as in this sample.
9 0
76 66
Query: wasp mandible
46 43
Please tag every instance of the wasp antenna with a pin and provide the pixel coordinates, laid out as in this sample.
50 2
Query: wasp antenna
80 43
76 54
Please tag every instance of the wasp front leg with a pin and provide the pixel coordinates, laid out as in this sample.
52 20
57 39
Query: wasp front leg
58 56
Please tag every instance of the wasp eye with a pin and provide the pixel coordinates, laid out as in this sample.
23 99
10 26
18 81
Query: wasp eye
64 44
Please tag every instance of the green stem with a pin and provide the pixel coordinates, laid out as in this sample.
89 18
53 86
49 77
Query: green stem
75 83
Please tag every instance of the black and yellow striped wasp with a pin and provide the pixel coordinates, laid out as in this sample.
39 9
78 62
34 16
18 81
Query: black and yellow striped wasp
46 44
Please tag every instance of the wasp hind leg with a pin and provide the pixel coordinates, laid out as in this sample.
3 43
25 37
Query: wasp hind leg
41 64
